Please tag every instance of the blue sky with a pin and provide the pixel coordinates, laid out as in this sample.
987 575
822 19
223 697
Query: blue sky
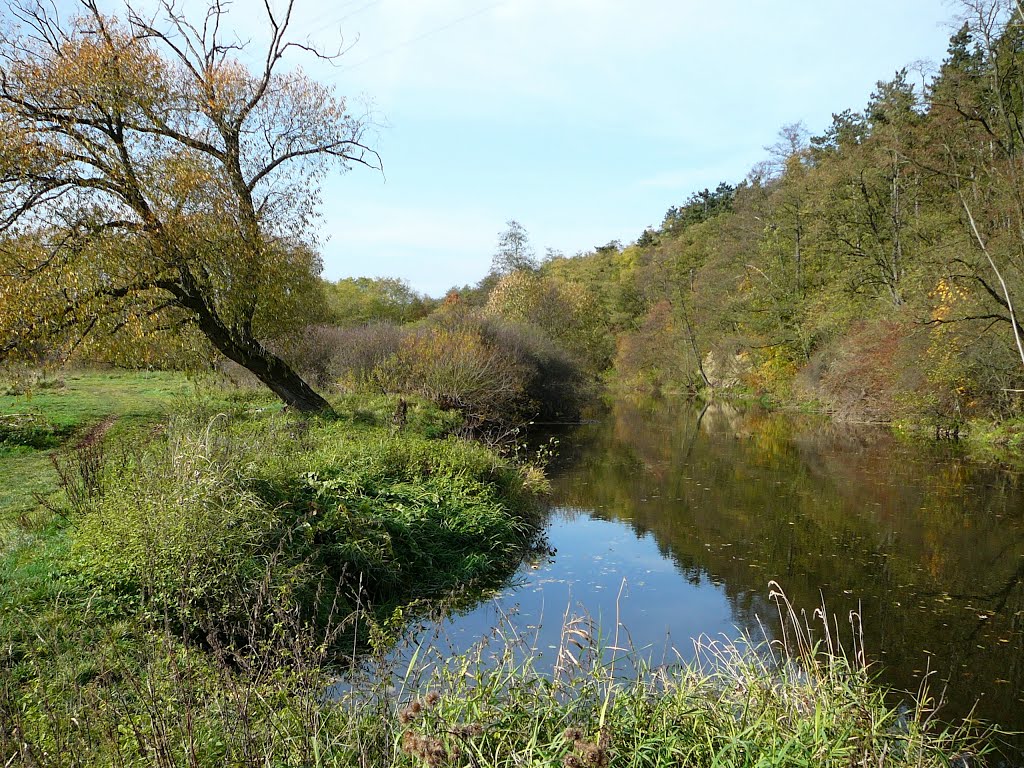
582 119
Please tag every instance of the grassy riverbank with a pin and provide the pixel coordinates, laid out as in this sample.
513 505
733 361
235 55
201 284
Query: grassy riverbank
146 516
196 569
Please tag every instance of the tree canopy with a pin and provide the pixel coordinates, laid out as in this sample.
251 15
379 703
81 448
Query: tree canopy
514 252
149 179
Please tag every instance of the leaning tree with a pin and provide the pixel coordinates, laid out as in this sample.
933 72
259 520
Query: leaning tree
149 178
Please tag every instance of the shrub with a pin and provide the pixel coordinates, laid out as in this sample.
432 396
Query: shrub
496 373
657 354
565 312
493 371
206 525
333 357
556 387
454 367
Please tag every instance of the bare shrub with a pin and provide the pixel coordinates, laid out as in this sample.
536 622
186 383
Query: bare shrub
494 371
555 386
359 352
455 367
330 357
862 381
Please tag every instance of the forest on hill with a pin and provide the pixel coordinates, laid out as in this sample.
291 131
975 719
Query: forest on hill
874 269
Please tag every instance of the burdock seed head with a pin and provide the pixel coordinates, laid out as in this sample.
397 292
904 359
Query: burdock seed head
573 734
593 756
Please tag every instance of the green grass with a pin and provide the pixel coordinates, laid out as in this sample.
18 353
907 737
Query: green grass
87 397
1000 440
41 418
26 472
226 503
207 516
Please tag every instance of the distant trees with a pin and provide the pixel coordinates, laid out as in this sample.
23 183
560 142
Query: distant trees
514 252
359 300
565 312
148 179
699 207
873 191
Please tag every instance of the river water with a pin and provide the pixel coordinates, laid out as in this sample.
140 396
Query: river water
670 519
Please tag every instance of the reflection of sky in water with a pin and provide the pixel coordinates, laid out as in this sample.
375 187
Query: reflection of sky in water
602 570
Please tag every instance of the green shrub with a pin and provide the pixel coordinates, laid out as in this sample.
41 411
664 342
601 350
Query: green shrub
209 523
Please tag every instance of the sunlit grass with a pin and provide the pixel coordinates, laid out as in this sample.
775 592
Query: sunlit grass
76 399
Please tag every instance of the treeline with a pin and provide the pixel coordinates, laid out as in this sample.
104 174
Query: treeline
872 270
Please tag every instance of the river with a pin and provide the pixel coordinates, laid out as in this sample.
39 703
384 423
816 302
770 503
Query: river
669 520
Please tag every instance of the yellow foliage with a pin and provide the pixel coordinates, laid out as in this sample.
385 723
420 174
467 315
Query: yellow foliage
151 180
566 311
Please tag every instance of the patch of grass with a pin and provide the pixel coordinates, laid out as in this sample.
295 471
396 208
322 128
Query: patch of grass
41 413
88 397
1006 435
26 472
193 559
188 526
154 699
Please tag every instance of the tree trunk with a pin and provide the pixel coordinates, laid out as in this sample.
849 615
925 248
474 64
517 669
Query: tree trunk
247 351
278 376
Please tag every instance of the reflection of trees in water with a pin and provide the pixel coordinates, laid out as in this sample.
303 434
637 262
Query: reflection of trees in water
929 543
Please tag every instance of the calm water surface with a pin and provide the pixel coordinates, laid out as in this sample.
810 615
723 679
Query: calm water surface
670 520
